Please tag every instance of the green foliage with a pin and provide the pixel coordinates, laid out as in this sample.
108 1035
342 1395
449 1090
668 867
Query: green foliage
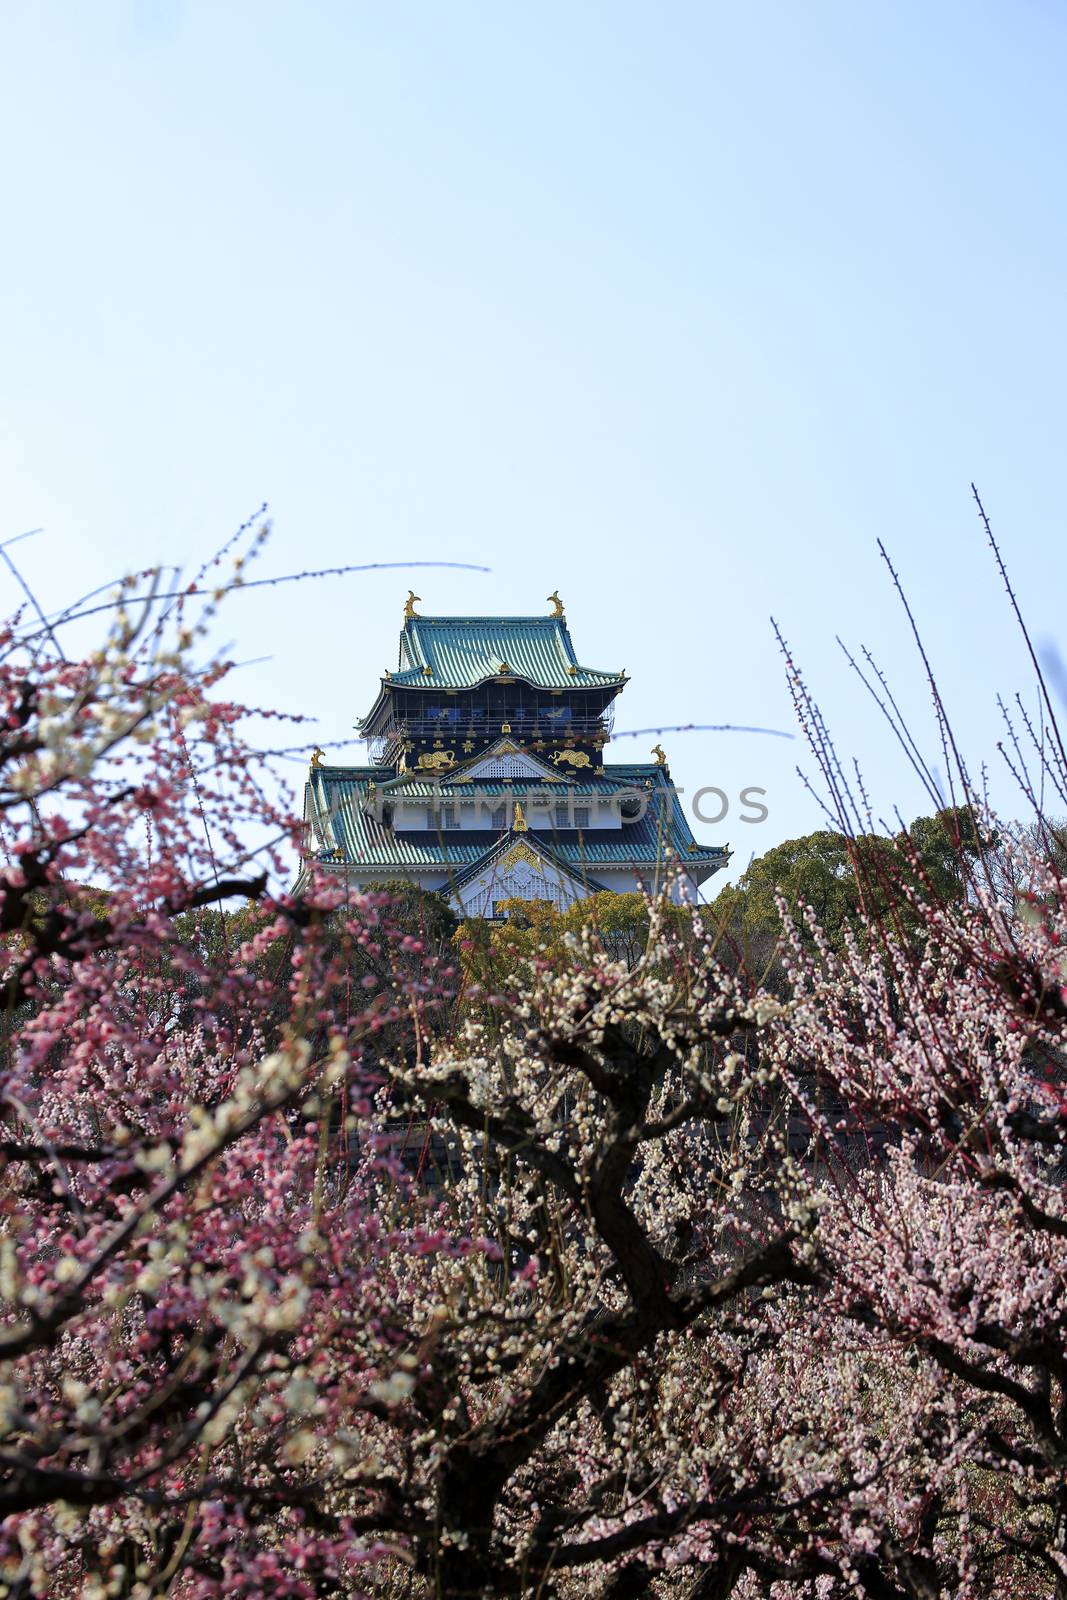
934 858
416 927
423 912
492 952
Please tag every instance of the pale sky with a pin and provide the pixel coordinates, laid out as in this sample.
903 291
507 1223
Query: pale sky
677 308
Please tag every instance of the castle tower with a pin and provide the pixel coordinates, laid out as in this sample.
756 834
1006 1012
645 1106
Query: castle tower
487 779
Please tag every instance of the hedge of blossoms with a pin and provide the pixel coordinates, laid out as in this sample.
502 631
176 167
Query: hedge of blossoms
692 1292
192 1298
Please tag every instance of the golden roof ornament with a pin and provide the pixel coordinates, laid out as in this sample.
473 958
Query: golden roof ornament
317 755
518 821
409 604
661 759
556 602
519 852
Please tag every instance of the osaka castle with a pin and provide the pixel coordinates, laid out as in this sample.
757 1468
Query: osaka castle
487 781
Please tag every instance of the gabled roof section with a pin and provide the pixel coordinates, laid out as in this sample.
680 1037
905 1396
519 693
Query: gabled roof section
504 759
532 849
462 652
505 763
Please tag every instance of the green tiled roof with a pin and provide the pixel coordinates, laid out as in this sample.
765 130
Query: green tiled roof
335 799
412 786
462 652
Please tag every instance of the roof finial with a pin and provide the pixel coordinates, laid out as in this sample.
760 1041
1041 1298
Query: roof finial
317 755
557 602
661 759
409 604
518 820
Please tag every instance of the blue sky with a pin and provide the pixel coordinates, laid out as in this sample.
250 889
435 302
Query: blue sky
678 308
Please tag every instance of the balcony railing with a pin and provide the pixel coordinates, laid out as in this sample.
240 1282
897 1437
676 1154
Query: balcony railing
455 727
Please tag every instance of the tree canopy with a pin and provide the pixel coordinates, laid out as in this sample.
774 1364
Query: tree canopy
858 884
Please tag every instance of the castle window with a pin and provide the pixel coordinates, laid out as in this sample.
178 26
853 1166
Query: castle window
443 818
